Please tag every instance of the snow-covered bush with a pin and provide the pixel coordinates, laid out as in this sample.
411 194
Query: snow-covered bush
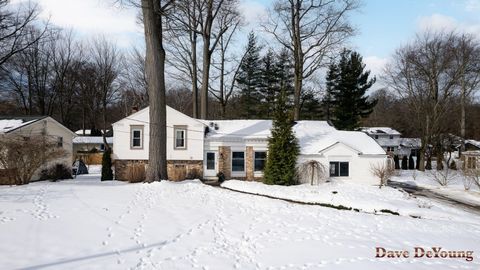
312 172
383 171
24 156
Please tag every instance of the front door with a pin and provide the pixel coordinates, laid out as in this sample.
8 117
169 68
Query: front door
210 166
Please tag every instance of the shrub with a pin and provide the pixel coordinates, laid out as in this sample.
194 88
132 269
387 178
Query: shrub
411 163
136 172
23 156
404 163
57 172
453 165
107 173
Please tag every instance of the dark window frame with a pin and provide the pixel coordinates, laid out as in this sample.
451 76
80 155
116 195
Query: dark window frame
263 160
237 159
340 169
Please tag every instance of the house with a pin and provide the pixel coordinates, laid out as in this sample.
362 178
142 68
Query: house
409 146
85 144
387 138
40 125
238 148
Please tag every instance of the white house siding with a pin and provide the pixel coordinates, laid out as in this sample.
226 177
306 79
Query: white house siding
359 164
51 128
122 150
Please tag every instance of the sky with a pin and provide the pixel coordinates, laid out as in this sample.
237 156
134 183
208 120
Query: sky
383 25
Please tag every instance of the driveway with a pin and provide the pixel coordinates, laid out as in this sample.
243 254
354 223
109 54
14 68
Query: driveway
415 190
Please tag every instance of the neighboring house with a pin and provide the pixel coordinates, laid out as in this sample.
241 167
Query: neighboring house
40 125
238 148
85 144
409 146
472 145
471 159
387 138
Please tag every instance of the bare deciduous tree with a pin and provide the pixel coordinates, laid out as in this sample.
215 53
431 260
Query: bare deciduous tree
383 171
312 172
311 30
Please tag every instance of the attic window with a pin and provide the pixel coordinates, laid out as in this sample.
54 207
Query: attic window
60 142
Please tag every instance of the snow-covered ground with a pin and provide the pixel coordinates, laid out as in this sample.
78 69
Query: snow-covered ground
88 224
455 188
363 197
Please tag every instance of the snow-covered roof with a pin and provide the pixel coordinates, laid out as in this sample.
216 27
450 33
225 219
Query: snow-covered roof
411 142
91 140
87 132
8 123
380 130
473 142
313 136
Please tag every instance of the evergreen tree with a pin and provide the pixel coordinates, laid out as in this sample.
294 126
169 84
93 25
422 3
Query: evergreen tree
404 163
417 164
107 173
284 68
411 163
269 87
249 79
331 88
310 106
282 147
396 160
349 85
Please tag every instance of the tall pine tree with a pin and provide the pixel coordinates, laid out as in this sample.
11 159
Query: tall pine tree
283 147
249 79
269 84
349 83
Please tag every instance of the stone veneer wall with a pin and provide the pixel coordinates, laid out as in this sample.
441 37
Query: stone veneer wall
224 161
177 169
249 163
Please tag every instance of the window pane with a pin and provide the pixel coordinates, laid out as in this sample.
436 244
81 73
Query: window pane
210 161
259 161
334 169
136 142
180 142
343 168
136 134
180 138
238 161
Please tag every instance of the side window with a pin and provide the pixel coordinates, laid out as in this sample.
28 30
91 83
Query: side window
260 161
180 137
376 137
60 142
136 137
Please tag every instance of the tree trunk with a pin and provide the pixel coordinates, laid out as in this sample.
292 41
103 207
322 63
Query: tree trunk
462 113
298 58
205 77
155 70
194 76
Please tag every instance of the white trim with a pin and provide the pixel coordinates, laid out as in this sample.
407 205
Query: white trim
132 130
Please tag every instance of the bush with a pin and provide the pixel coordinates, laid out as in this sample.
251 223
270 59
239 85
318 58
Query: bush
411 163
107 173
56 172
404 163
397 162
136 172
383 171
453 165
23 156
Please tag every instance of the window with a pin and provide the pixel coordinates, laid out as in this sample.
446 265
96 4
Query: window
376 137
260 161
338 169
390 149
102 147
180 137
238 161
136 137
391 137
60 142
210 161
